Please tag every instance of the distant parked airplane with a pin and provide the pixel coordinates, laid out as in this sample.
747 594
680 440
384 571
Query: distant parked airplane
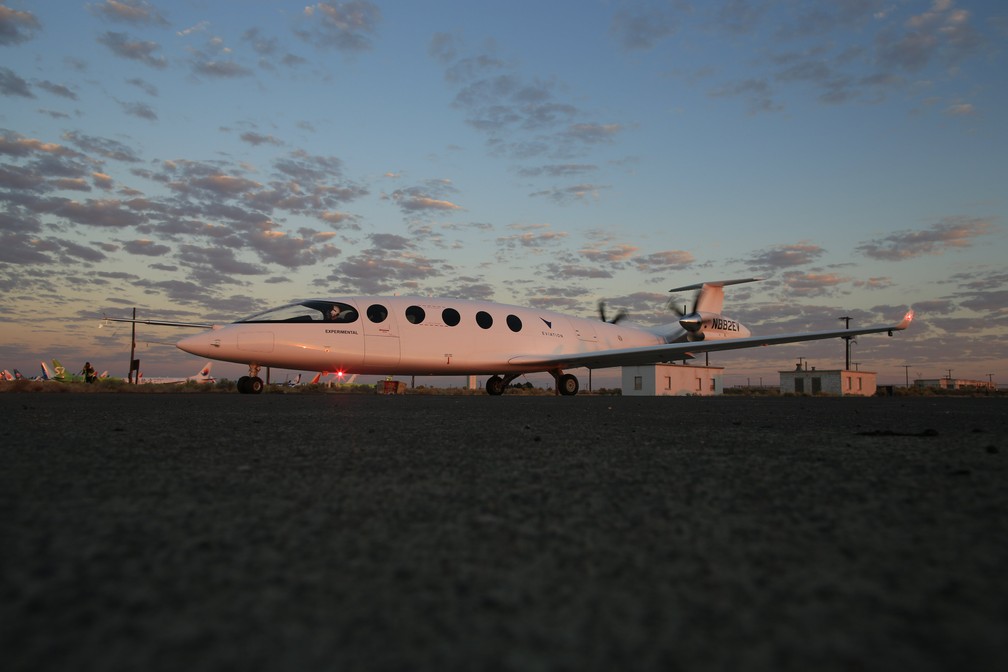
203 376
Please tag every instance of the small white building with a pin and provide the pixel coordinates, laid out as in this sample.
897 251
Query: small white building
662 380
956 384
839 382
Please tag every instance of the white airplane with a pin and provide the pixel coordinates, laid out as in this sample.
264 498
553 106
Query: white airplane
203 376
412 335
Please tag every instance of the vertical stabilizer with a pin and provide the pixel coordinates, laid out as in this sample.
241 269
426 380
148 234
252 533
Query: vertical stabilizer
710 299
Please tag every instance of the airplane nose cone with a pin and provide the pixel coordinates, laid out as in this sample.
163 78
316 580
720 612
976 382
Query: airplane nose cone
202 344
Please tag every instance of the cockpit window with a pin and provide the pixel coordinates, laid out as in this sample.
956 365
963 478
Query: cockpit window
308 311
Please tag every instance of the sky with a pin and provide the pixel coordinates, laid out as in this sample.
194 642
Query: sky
206 160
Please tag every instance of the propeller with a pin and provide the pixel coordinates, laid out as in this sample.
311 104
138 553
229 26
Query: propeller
601 311
689 319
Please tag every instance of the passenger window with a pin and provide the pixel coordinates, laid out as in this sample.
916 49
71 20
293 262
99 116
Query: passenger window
514 324
451 317
377 313
415 314
484 320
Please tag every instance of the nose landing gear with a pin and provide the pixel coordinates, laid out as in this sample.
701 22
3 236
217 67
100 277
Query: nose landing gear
252 383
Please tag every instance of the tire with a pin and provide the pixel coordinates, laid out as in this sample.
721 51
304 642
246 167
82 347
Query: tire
568 385
495 386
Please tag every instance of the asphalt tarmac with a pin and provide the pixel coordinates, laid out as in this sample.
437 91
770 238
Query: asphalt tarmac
345 532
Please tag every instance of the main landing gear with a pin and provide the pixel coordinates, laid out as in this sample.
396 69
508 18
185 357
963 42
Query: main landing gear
252 383
566 384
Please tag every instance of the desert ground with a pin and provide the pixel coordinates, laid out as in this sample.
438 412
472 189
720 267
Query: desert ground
365 532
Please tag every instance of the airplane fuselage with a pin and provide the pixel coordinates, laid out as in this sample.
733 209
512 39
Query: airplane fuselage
423 336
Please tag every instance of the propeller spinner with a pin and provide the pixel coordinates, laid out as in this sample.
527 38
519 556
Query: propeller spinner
689 319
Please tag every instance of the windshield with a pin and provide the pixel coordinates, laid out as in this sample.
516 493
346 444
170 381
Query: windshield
308 311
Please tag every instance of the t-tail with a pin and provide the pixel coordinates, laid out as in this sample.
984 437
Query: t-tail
702 320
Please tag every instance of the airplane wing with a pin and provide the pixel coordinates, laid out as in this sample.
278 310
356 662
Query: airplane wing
676 351
157 323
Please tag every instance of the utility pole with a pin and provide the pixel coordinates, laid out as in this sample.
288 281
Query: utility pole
906 370
129 376
846 319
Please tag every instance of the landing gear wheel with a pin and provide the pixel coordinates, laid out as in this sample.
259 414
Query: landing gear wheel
568 385
250 385
495 386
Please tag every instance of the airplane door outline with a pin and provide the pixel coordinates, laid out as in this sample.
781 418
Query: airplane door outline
381 338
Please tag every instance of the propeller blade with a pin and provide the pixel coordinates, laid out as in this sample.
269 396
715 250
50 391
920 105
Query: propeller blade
684 311
621 315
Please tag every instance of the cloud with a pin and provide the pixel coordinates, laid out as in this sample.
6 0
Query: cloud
950 233
378 271
614 254
785 256
138 50
15 144
72 251
429 198
225 184
591 134
57 89
12 85
277 247
220 259
669 260
883 282
640 27
106 213
256 139
520 116
137 12
558 170
576 192
147 248
942 33
960 110
812 284
220 69
534 239
17 26
141 110
105 147
346 26
843 51
21 248
756 90
562 272
196 28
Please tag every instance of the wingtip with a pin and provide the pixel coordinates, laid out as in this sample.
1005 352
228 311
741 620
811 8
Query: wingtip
907 319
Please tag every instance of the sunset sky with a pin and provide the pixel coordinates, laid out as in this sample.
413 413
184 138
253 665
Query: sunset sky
206 160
